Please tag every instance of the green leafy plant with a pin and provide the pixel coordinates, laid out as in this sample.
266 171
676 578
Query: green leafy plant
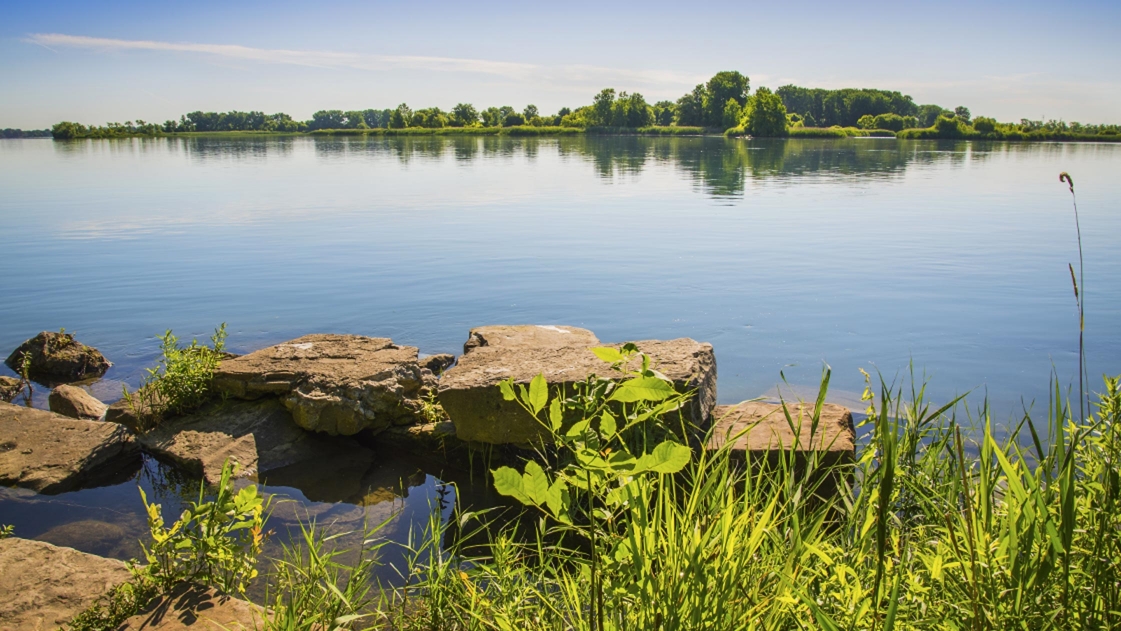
619 448
180 382
215 542
121 603
6 530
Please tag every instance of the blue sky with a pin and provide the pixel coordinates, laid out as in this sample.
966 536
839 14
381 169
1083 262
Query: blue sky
94 62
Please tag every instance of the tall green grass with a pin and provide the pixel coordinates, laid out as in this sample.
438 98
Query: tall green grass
936 532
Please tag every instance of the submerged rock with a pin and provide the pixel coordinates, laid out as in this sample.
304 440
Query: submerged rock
49 453
259 435
336 384
469 391
9 388
43 586
93 536
59 357
192 606
75 402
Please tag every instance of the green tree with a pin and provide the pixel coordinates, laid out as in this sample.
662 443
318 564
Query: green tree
928 114
513 119
724 85
987 125
962 112
664 113
602 107
766 115
464 115
732 114
530 112
400 117
691 107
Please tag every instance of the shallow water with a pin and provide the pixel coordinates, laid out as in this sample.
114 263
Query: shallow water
786 255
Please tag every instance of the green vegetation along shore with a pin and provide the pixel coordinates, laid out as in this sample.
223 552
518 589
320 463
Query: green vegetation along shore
723 104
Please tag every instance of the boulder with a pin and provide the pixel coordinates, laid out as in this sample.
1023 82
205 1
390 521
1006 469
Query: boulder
427 439
75 402
9 388
93 536
57 356
769 433
49 453
259 435
136 414
192 606
337 384
43 586
469 391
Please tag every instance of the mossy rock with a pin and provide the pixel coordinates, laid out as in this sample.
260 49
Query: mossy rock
58 357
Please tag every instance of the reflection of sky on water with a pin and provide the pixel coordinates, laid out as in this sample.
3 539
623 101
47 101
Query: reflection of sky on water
783 254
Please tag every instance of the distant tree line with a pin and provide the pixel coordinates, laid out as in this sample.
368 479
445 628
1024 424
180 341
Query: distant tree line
25 133
724 102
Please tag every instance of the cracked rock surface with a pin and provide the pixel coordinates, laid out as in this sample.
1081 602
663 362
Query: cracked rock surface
336 384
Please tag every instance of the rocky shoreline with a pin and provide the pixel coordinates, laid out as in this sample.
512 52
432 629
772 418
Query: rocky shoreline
342 399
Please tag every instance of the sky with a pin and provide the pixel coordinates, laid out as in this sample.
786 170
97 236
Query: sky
94 62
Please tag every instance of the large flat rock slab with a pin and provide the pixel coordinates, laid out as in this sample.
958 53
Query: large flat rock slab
259 435
469 391
337 384
49 453
768 431
190 606
43 586
830 446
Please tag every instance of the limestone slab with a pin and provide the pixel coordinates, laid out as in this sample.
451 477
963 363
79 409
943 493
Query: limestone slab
49 453
469 391
191 606
336 384
43 586
259 435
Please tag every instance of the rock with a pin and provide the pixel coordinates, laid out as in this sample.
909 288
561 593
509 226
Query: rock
259 435
49 453
92 536
75 402
130 413
337 384
43 586
9 388
191 606
469 391
769 433
438 363
59 357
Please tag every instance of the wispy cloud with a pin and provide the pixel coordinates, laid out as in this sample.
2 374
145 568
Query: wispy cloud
570 74
313 58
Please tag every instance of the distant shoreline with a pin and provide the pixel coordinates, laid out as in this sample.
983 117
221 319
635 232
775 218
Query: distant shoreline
821 133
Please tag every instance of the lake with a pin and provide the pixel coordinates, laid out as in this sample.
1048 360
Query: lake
786 255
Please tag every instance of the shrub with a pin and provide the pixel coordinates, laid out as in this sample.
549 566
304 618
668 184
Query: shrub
765 115
180 382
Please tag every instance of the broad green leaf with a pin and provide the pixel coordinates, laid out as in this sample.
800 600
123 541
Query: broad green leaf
535 484
507 481
643 389
556 417
507 388
668 457
608 354
607 425
538 393
577 430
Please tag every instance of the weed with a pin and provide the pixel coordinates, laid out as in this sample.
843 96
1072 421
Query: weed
7 530
180 382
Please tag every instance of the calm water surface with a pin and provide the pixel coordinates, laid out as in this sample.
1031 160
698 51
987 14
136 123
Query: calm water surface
785 255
